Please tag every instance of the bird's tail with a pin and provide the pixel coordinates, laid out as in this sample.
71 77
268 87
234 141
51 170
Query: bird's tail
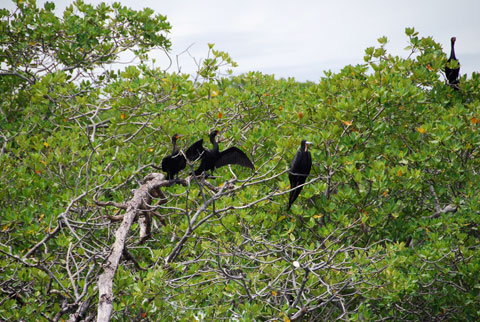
291 199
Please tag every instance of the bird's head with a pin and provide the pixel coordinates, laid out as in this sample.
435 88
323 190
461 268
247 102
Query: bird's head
213 134
453 39
305 144
175 137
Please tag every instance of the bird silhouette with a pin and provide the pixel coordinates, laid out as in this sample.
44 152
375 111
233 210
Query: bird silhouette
299 171
175 162
452 73
212 159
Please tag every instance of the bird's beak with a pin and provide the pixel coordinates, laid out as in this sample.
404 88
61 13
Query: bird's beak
307 144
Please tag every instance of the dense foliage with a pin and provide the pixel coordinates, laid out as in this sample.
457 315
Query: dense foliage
386 227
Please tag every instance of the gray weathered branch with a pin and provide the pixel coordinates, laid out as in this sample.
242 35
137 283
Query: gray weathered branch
141 200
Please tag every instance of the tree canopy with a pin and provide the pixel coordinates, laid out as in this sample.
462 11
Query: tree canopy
386 226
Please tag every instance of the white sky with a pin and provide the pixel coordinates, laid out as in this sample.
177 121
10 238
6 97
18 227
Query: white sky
302 38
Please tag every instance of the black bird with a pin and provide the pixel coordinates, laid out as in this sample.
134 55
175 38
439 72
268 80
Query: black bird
213 158
175 162
452 73
299 170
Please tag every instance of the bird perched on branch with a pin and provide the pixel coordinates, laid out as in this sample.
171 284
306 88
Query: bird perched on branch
212 159
299 171
452 73
175 162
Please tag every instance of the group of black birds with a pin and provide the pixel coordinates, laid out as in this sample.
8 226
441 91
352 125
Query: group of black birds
211 159
301 163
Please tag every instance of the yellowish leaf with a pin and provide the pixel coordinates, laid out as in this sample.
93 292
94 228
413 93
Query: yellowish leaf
474 120
4 228
274 293
420 130
399 172
317 216
385 193
122 116
46 144
347 123
214 94
286 319
150 149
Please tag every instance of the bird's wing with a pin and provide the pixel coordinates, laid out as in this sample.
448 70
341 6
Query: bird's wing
301 164
295 160
233 155
165 162
309 163
195 150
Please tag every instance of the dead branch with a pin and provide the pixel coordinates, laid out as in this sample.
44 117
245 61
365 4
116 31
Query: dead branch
141 200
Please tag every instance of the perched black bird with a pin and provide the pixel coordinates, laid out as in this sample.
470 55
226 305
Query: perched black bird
452 73
299 170
175 162
213 158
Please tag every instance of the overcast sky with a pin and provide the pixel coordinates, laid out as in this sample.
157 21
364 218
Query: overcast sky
303 38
